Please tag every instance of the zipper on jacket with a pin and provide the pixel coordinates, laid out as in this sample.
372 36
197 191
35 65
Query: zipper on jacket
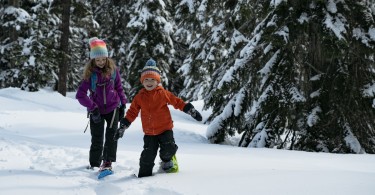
104 96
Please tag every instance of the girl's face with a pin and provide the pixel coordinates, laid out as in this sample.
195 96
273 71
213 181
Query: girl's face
150 83
100 62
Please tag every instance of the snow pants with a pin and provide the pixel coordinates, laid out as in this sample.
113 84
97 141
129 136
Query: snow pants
168 148
98 151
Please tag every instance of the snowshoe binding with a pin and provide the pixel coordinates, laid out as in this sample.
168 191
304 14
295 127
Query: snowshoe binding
171 166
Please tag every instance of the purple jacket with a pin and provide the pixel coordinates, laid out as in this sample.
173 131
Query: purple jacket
114 94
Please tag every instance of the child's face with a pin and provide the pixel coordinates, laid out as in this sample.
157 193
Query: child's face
100 61
150 83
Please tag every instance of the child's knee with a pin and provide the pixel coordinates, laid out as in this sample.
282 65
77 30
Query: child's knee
167 151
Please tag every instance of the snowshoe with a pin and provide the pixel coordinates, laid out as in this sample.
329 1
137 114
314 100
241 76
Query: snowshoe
105 173
171 166
105 169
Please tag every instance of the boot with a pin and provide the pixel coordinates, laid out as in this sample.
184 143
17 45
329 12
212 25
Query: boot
171 166
106 165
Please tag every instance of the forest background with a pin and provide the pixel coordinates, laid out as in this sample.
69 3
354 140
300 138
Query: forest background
286 74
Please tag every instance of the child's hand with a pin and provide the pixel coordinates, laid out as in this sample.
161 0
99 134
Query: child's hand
95 116
124 124
119 133
189 109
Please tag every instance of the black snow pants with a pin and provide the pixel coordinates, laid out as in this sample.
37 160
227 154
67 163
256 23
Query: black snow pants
98 151
168 148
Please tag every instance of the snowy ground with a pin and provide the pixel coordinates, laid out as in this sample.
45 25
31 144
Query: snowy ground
43 150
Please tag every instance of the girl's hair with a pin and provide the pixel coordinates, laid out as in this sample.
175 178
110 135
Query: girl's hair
106 70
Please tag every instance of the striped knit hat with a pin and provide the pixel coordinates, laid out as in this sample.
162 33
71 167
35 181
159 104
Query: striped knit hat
150 71
98 48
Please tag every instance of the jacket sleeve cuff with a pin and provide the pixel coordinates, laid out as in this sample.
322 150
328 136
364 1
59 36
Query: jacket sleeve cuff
127 122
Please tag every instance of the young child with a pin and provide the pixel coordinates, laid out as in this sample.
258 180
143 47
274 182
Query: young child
156 119
106 103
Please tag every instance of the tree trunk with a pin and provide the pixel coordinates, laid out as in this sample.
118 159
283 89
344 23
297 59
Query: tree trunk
13 35
64 47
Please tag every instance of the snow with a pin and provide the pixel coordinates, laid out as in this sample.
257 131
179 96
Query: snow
189 3
313 117
352 141
217 33
43 150
315 93
266 70
20 14
336 24
143 15
275 3
284 32
296 95
316 77
371 33
245 55
260 138
303 18
218 121
237 38
369 90
239 101
331 7
32 61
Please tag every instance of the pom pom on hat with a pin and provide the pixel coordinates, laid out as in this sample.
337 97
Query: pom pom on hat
98 48
151 62
150 71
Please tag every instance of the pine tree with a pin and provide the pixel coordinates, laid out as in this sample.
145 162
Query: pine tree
29 59
151 28
205 26
30 62
187 30
304 81
113 17
82 26
341 111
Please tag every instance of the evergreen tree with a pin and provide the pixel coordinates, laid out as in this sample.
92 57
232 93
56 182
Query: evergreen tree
28 60
82 26
202 24
113 17
304 81
341 109
151 28
217 30
187 30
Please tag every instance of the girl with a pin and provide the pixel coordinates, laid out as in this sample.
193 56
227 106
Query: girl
106 103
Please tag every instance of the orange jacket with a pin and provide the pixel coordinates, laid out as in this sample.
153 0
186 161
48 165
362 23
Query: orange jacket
155 115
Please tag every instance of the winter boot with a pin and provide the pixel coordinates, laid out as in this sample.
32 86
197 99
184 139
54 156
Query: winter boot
171 166
107 165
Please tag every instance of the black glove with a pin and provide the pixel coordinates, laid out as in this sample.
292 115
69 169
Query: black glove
124 124
121 111
189 109
95 116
